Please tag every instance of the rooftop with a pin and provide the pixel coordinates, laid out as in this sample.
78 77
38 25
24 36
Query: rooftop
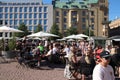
81 4
21 1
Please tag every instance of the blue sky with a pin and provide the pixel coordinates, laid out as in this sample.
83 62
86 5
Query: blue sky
114 8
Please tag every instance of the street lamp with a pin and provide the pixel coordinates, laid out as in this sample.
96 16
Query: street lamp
89 20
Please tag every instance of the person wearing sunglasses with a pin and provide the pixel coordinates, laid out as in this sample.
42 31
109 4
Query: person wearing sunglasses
103 71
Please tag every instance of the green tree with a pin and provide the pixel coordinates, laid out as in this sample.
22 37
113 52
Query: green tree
71 31
39 28
55 30
23 28
86 32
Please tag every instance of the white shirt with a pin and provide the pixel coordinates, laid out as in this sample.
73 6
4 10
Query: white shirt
49 52
103 73
55 50
66 50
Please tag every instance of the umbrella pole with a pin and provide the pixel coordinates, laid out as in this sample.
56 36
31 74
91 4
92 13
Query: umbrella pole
4 41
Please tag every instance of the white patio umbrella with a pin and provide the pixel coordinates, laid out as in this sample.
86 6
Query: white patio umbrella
42 34
73 37
37 38
70 40
82 35
63 39
8 29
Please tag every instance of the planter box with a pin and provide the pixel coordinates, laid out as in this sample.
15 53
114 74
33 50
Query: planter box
9 54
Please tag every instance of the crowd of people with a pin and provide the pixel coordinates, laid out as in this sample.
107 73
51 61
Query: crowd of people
80 57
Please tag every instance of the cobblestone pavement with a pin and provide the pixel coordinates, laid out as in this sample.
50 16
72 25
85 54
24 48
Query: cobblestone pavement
13 71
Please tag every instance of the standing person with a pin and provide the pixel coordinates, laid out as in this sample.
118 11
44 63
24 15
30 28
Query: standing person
41 47
66 50
72 61
103 71
86 65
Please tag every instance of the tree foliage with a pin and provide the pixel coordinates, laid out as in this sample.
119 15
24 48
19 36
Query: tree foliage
86 32
55 30
71 31
23 28
39 28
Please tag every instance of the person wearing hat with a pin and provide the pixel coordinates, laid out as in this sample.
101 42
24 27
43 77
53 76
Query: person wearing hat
103 71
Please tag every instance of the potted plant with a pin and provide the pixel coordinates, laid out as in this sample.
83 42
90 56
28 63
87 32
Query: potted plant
8 48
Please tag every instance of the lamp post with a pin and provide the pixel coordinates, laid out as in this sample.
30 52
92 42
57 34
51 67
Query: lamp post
89 20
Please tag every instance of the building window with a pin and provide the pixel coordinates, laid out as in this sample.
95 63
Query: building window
6 34
92 26
1 34
65 20
20 21
1 9
45 22
57 13
35 15
45 9
40 15
35 27
83 13
83 26
65 13
1 22
15 15
74 13
92 13
1 15
30 22
64 27
6 9
25 21
57 20
92 20
11 16
83 20
25 15
16 9
16 21
25 9
105 19
45 28
40 21
105 13
40 9
30 15
6 22
35 9
11 22
20 16
30 9
30 28
35 22
6 15
20 10
45 15
11 9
